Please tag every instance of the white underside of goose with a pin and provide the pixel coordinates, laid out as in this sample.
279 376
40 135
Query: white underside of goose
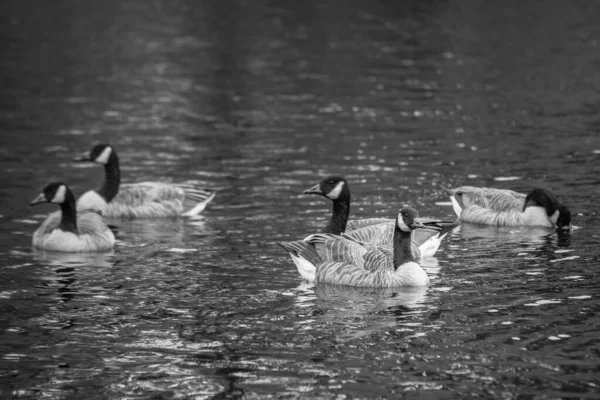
94 235
305 268
537 216
532 216
92 201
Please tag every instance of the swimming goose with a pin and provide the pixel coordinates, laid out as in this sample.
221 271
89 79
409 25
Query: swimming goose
374 231
334 259
502 207
138 200
67 231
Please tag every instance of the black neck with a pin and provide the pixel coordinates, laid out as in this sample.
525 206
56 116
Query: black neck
339 217
402 247
112 178
68 221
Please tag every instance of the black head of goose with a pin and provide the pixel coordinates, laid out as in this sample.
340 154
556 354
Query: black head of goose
336 189
556 212
104 154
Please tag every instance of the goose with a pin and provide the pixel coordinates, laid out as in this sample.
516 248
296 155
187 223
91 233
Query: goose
503 207
374 231
65 230
329 258
138 200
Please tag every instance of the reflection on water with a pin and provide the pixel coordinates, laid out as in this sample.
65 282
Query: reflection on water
258 101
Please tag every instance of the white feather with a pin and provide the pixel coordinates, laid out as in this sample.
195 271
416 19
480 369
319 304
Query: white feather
59 196
537 216
457 209
335 192
104 156
305 268
92 201
93 235
412 274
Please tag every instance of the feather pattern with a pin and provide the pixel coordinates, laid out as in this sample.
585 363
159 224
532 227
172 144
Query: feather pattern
69 231
502 207
372 231
93 234
347 261
379 231
139 200
155 200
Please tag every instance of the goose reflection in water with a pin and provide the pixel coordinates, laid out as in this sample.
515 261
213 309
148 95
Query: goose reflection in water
66 269
365 310
512 240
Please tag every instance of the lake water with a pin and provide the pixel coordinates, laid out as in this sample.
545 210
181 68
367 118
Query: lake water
258 100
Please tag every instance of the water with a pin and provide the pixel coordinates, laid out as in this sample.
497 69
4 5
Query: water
258 100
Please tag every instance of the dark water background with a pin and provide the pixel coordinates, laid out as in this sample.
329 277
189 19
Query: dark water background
258 99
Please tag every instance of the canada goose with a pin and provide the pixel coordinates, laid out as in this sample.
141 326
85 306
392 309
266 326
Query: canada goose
502 207
374 231
67 231
330 258
138 200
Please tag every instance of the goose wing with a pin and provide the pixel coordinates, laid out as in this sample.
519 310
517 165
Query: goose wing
337 248
373 272
434 228
91 223
144 192
51 223
363 223
497 200
375 235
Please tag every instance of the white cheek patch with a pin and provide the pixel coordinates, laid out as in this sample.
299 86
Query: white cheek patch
103 157
403 227
554 217
59 196
335 192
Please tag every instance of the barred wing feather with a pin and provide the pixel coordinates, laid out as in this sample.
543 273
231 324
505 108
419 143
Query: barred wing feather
363 223
155 199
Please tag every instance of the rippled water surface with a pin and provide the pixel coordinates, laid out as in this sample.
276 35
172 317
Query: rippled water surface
258 100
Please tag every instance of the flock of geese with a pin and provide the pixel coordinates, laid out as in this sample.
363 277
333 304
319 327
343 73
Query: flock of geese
375 252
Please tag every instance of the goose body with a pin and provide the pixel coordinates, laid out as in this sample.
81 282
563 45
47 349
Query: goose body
502 207
375 231
379 231
139 200
69 231
334 259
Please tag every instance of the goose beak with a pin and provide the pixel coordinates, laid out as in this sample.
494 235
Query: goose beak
40 199
314 190
563 229
418 224
84 157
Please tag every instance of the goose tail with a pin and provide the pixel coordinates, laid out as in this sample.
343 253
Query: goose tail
199 198
304 255
438 232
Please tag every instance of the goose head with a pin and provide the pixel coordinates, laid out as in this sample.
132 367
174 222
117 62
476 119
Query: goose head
333 187
558 213
100 154
408 220
563 222
55 192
